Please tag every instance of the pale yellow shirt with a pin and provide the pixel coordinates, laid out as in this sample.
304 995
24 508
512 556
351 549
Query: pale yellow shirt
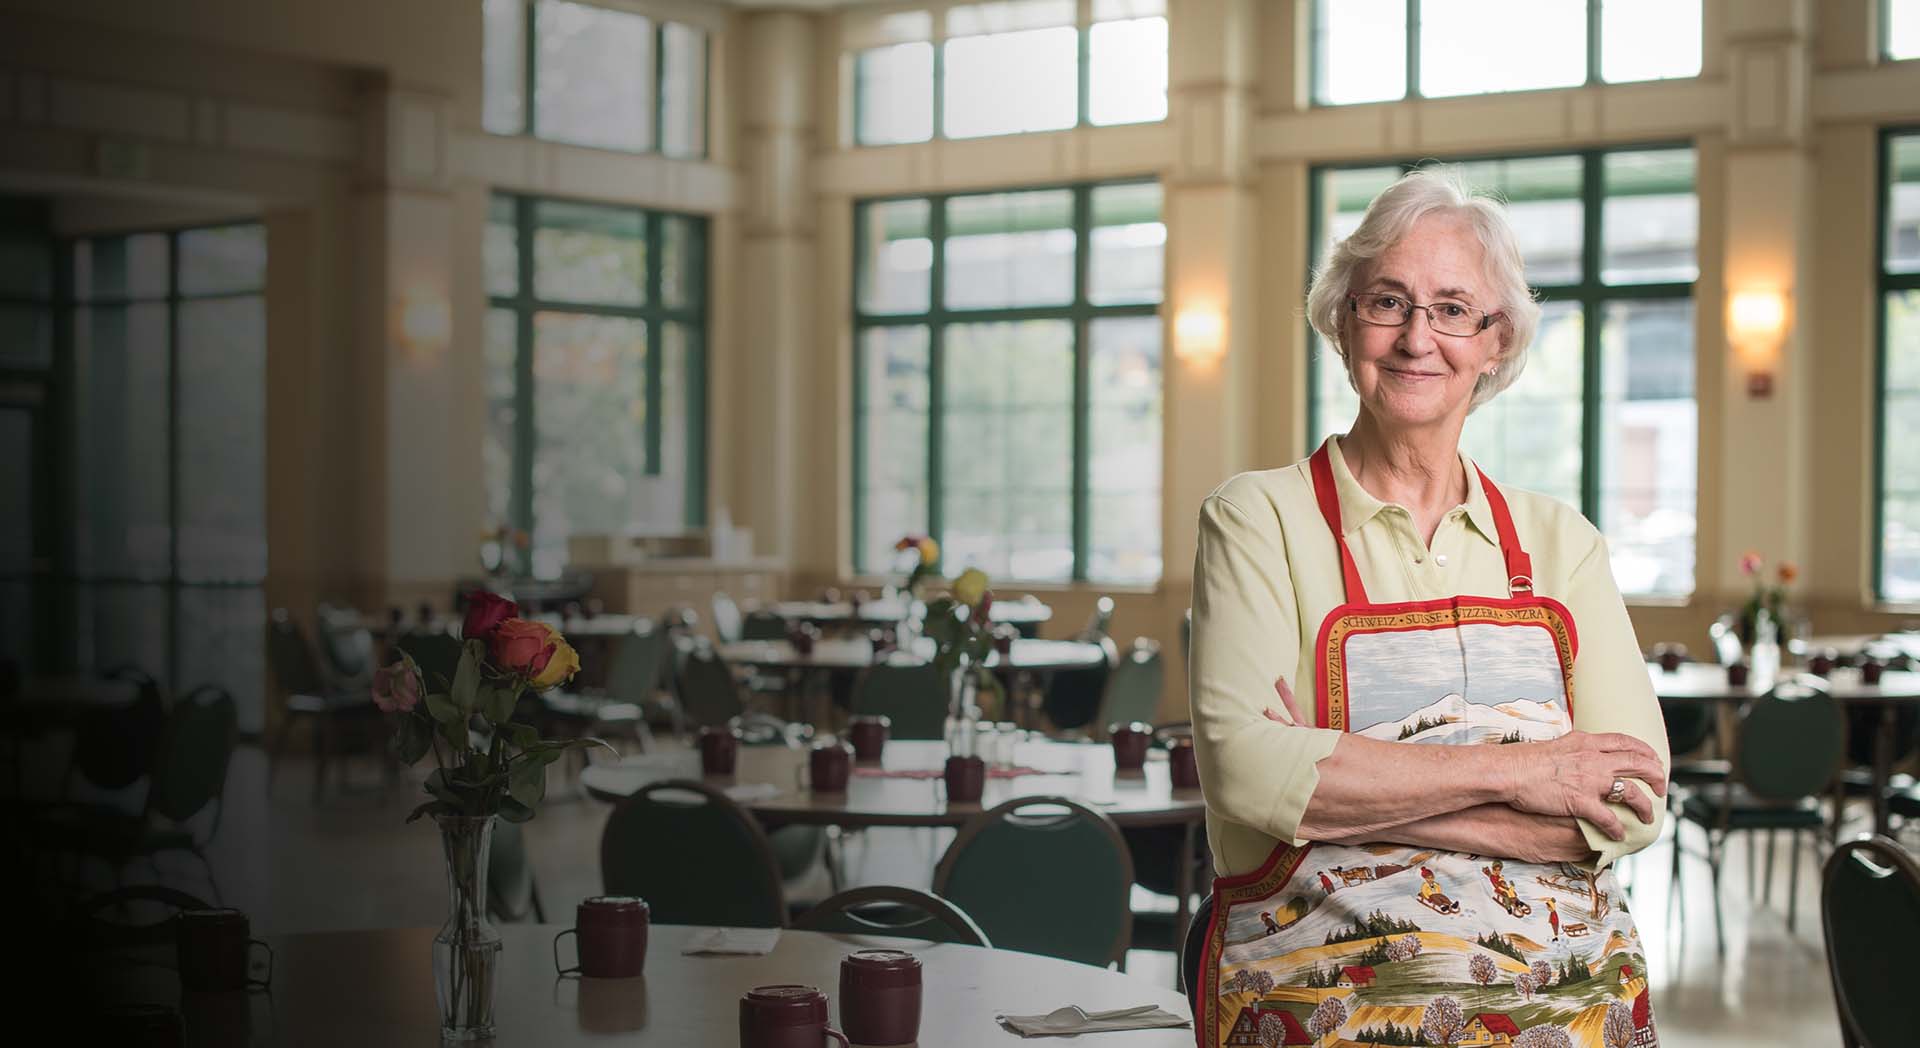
1268 572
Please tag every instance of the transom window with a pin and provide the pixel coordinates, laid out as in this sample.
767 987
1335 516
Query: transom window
1604 416
971 70
1007 381
1900 29
1383 50
596 76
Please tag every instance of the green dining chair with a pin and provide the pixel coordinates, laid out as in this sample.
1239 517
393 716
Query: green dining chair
512 893
1193 951
708 693
1054 882
761 624
694 855
913 696
886 909
1870 912
1133 688
1073 698
1787 752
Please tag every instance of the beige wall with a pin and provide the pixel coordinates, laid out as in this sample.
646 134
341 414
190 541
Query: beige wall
352 127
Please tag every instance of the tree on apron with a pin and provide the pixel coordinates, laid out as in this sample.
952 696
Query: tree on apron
1398 945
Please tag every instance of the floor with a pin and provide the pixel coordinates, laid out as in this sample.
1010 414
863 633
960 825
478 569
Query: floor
352 862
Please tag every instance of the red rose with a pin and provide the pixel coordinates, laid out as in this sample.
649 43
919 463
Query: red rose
485 612
521 648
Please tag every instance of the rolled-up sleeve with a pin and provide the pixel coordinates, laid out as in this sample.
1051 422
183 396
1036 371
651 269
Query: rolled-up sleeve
1246 634
1611 691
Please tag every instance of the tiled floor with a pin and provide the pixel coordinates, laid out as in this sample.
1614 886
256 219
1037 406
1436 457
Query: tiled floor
353 863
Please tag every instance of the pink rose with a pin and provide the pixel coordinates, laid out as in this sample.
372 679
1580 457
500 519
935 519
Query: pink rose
1750 563
522 648
485 612
396 688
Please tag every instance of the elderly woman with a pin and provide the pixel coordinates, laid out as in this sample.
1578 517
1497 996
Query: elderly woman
1420 710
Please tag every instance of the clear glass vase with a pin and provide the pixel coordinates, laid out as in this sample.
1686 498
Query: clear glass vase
466 952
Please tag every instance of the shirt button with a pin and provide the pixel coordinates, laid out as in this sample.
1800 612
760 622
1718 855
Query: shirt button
1440 559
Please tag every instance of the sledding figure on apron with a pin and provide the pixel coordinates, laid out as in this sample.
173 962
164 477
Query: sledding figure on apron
1478 740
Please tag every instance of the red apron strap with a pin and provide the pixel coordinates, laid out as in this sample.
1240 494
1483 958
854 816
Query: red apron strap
1519 565
1329 498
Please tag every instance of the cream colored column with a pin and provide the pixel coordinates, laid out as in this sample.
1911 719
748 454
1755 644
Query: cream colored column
764 406
1766 203
1212 296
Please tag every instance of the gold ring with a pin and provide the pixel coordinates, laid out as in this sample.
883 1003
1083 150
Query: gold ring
1618 793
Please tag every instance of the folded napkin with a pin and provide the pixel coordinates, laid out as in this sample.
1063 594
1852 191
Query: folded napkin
1073 1020
748 792
751 942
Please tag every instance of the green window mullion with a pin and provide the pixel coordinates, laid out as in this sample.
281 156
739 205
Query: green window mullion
1082 381
1413 49
1594 42
172 657
939 97
529 48
1592 213
936 364
859 374
659 126
1085 76
59 632
520 502
656 343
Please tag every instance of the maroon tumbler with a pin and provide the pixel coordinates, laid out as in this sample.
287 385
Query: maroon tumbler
1181 766
1130 742
880 997
966 779
785 1016
869 734
719 751
829 765
610 936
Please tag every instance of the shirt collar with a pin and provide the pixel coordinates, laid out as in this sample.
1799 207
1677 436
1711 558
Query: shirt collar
1357 506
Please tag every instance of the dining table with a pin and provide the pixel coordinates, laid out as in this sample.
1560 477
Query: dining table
375 989
1023 614
904 789
1706 682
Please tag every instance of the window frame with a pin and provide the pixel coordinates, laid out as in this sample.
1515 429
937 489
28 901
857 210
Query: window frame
1886 284
1590 293
937 317
1883 26
1593 78
1083 24
529 79
525 304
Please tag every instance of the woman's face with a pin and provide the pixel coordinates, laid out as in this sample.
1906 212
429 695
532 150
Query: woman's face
1411 375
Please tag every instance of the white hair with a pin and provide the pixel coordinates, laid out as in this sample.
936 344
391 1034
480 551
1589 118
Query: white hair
1391 217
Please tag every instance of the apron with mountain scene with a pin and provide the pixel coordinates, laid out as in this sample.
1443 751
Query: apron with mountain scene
1396 945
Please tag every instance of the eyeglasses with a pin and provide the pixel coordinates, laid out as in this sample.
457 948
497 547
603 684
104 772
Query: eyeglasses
1386 309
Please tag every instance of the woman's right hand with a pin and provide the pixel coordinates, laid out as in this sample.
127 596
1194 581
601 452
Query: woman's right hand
1573 775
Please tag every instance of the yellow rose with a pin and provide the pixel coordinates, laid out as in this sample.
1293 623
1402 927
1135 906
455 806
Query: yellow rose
970 586
929 552
561 667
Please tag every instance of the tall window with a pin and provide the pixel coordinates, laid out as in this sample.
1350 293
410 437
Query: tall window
1604 416
1900 29
1011 66
168 455
595 356
1008 380
1382 50
1898 518
26 358
596 76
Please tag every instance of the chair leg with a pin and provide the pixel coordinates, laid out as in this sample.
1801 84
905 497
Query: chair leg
1766 892
1793 881
322 744
1715 853
277 746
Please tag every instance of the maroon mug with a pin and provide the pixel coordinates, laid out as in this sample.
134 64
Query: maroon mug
1821 664
785 1016
1870 671
828 767
868 731
1182 768
880 997
1737 675
1670 656
1130 742
719 751
966 779
801 637
610 938
213 949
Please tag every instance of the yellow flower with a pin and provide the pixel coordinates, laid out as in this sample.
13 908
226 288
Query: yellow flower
561 667
970 586
929 551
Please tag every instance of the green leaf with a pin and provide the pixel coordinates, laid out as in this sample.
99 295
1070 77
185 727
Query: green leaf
466 678
496 703
513 811
455 732
435 807
527 782
523 736
441 708
443 790
412 738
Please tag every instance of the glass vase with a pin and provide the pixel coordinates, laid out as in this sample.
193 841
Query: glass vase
466 952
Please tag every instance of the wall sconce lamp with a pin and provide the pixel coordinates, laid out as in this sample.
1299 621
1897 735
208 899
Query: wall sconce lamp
1199 334
1757 325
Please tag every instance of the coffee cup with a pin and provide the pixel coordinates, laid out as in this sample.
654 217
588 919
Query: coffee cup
719 751
829 765
610 938
1670 656
868 732
1737 675
214 948
966 779
1182 768
786 1016
1130 743
1870 671
880 993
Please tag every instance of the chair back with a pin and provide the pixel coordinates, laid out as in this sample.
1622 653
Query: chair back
1098 623
511 895
115 746
1789 741
637 662
914 696
694 855
1074 697
195 750
1133 689
1689 724
115 920
1054 884
708 693
1726 640
1193 951
437 655
1870 911
885 909
727 623
290 657
346 645
1864 728
761 624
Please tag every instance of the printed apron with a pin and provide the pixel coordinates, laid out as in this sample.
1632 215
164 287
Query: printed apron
1395 945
